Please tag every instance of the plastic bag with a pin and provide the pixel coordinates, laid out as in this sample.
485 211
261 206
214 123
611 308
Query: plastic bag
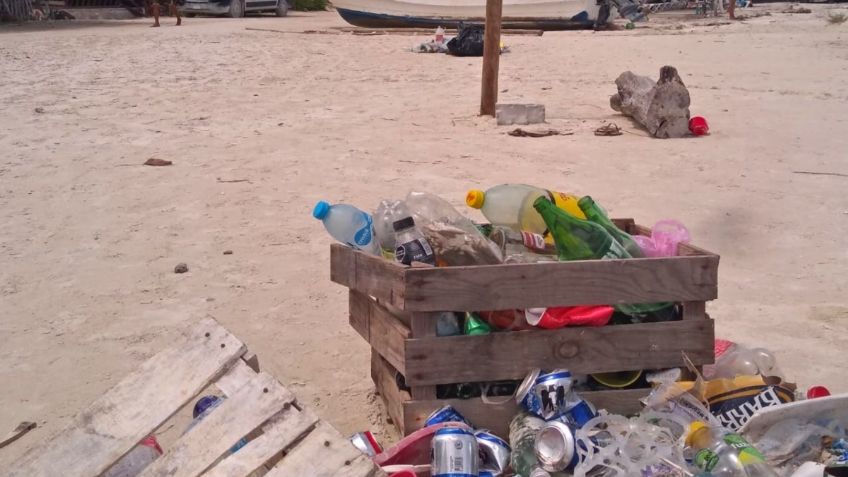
665 236
468 41
562 316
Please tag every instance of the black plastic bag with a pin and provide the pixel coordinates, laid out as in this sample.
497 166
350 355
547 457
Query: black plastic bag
468 41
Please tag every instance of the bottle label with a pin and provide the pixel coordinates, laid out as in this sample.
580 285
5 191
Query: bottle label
567 203
417 250
747 453
364 235
616 251
533 241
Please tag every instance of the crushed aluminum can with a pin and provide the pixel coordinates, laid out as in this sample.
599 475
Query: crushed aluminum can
454 453
445 414
580 412
494 453
547 395
365 442
555 447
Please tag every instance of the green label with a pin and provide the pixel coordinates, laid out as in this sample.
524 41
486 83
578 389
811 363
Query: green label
705 459
747 453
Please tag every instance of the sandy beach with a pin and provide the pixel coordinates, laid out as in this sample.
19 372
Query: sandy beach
260 125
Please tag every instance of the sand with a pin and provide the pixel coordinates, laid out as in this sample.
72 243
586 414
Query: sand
261 125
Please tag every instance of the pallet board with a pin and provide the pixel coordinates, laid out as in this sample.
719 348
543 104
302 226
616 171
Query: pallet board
395 309
280 433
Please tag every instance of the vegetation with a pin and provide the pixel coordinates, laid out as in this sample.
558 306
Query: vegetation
310 5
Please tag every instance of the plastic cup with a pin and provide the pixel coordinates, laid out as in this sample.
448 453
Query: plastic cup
698 125
817 392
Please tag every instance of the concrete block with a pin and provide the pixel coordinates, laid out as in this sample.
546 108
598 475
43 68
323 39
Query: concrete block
519 114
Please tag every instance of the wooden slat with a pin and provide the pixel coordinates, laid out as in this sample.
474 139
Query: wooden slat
369 274
498 287
496 417
388 335
17 433
423 327
256 402
508 355
360 313
322 453
113 424
694 310
384 380
234 379
280 432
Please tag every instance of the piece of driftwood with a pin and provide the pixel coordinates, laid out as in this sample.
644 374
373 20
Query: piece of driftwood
662 107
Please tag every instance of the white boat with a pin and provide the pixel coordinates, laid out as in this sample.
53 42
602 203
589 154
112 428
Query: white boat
530 14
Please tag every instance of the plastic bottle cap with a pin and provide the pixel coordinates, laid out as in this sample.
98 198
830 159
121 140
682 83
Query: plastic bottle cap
403 224
320 210
693 428
475 198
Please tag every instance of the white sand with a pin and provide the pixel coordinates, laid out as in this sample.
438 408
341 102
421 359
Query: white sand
89 237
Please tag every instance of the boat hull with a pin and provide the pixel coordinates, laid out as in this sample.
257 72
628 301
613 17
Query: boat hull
382 20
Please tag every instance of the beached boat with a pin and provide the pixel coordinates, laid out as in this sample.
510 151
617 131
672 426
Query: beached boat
531 14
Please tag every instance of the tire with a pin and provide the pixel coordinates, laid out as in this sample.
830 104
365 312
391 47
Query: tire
236 9
282 8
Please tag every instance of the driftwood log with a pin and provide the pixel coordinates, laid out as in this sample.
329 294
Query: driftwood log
662 107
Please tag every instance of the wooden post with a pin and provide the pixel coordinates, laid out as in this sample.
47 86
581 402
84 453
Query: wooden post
491 57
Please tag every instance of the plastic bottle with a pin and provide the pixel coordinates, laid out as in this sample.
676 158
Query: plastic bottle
411 246
522 438
577 239
136 460
725 454
596 214
440 35
742 361
348 225
386 214
511 205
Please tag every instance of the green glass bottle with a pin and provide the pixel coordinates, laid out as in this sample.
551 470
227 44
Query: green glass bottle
595 214
577 239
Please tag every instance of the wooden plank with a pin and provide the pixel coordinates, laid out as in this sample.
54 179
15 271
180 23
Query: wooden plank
17 433
239 375
359 309
694 310
424 328
322 453
384 380
496 417
491 57
388 335
495 287
508 355
113 424
369 274
278 435
256 402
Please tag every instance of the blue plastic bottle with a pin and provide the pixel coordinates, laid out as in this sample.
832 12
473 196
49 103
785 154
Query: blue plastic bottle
348 225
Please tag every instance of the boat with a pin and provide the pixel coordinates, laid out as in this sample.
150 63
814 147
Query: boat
517 14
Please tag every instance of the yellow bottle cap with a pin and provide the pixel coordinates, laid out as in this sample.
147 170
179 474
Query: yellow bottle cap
693 428
475 198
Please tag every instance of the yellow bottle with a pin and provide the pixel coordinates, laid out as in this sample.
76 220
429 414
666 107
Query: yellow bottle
511 205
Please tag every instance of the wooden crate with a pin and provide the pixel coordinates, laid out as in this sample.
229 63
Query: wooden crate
285 439
395 307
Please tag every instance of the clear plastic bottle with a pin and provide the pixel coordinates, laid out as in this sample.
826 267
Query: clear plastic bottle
511 205
348 225
386 214
523 430
725 454
411 246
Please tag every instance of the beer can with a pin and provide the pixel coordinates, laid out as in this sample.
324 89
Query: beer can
555 447
445 414
546 394
365 442
454 453
494 453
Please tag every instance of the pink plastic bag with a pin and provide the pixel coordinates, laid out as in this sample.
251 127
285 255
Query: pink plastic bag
665 236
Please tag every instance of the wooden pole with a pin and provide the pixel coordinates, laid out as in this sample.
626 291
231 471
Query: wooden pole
491 57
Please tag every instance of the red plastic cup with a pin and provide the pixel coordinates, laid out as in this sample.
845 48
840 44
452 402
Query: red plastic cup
698 125
817 392
405 473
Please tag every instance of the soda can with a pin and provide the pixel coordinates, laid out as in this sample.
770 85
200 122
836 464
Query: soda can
365 442
494 452
445 414
545 394
454 453
555 447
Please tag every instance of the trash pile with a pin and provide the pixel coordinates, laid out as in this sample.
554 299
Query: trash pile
467 42
736 418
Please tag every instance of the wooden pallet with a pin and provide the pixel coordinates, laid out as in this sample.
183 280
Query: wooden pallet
395 308
285 439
